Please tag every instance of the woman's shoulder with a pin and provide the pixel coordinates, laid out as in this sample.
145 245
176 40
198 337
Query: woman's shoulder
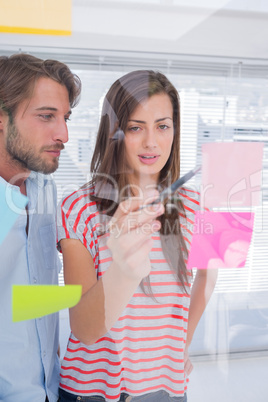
78 199
190 198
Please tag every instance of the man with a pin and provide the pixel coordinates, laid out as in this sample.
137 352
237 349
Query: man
36 98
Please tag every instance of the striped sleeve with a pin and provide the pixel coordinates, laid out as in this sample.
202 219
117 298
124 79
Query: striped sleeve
77 218
191 203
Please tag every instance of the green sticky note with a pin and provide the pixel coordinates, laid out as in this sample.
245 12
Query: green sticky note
34 301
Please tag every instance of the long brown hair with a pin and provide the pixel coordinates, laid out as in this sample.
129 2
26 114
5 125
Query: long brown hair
109 165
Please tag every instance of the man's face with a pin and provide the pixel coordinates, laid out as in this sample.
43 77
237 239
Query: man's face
36 137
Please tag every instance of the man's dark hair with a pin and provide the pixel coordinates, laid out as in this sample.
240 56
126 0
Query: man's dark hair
19 73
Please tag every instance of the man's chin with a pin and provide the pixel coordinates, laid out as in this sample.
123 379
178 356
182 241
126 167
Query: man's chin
45 168
50 169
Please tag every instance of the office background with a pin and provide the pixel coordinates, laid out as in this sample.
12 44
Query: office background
216 54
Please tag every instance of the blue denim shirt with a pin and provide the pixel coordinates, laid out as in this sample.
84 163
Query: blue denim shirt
29 365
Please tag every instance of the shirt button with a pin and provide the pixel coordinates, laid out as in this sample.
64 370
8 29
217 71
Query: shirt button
34 280
44 354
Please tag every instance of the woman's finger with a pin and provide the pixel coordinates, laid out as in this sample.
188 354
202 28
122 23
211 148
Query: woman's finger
129 216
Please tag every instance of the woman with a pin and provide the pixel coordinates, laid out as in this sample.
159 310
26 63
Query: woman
128 339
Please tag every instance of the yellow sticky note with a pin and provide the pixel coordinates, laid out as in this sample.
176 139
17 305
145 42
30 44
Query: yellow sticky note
34 301
43 17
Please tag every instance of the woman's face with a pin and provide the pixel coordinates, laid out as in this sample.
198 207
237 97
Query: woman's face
149 137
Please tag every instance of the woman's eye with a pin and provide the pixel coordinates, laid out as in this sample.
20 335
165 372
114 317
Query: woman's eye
67 119
134 129
163 126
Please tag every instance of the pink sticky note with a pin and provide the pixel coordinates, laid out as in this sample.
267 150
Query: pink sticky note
231 174
220 239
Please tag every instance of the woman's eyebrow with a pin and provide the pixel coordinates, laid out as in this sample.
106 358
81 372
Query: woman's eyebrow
156 121
138 121
163 118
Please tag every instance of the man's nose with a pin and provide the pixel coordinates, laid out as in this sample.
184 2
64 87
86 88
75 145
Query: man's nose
61 132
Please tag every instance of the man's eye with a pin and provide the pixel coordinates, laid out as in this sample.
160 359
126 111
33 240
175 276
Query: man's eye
46 116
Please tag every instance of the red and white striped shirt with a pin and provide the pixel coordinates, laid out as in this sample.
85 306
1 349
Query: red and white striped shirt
144 351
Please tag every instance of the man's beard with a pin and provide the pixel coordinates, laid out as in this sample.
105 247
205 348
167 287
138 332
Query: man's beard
24 155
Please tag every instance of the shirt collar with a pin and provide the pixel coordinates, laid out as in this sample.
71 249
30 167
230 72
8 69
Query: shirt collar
40 179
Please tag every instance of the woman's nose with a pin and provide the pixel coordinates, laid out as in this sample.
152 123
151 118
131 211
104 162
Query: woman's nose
149 140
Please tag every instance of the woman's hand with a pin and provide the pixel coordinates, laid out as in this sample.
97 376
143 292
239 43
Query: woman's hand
130 240
188 367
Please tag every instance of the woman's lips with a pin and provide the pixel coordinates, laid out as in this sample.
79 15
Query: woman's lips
148 159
